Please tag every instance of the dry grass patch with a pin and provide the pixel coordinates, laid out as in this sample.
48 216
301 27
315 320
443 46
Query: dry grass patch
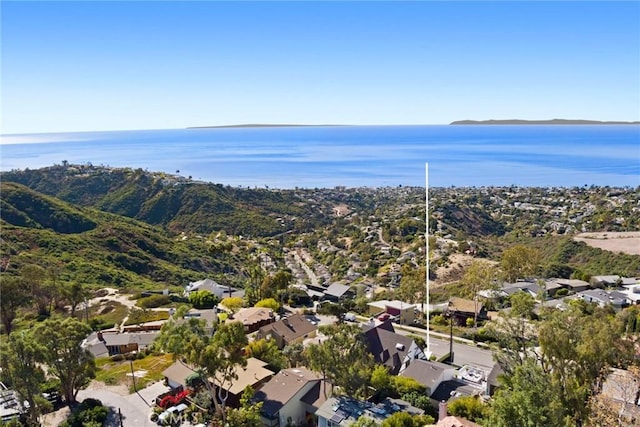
146 370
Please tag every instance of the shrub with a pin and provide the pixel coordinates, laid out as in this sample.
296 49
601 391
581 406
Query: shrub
117 358
203 299
89 413
173 399
153 301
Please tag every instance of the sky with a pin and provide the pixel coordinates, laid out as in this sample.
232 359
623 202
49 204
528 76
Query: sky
90 66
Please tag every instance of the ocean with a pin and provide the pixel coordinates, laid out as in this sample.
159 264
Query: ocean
354 156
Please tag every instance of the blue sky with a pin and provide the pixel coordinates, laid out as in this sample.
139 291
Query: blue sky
83 66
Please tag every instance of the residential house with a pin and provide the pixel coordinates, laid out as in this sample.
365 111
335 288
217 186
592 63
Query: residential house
391 349
176 375
338 292
617 300
117 343
573 285
446 420
253 374
404 312
530 288
462 309
606 281
209 316
429 373
214 287
295 328
291 397
253 318
344 411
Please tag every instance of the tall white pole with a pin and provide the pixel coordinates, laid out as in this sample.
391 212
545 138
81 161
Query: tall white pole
426 236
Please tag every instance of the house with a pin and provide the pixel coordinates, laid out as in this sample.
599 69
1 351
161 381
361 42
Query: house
530 288
344 411
209 316
291 397
95 346
253 374
493 382
603 298
213 287
404 312
117 343
429 373
253 318
338 292
295 328
176 375
452 389
462 309
390 349
573 285
606 281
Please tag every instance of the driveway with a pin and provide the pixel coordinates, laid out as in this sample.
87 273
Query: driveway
133 408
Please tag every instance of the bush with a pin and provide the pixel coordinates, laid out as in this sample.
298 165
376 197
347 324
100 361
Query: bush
153 301
203 299
562 292
117 358
89 413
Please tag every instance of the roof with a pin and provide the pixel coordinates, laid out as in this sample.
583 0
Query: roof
612 279
317 395
249 375
452 389
282 387
604 297
384 304
464 305
116 339
337 290
344 408
253 315
178 372
388 347
294 326
452 421
573 283
212 286
493 378
426 372
143 339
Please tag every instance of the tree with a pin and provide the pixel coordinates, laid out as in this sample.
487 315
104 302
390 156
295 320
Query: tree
527 399
404 419
520 261
469 407
293 354
66 360
481 275
19 359
342 358
419 400
203 299
269 303
232 303
248 415
35 277
522 305
217 357
267 351
74 293
412 287
14 293
273 285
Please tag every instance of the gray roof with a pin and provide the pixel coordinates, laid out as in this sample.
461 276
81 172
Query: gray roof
345 410
426 372
282 387
452 389
337 290
388 347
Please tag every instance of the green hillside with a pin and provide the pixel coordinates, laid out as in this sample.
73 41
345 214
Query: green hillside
95 247
175 203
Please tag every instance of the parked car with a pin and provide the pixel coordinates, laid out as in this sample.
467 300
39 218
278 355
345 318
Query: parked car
350 317
384 316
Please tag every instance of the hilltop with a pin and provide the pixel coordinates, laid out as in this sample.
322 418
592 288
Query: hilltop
541 122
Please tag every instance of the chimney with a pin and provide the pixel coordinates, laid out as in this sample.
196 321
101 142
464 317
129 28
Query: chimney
100 337
442 410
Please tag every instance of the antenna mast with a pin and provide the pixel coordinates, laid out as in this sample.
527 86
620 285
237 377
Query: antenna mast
426 238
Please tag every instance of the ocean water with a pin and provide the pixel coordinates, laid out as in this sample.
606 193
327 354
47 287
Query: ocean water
353 156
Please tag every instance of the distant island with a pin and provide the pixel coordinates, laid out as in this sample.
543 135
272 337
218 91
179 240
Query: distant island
540 122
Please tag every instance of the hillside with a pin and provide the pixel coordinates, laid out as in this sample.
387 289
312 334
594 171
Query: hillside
175 203
541 122
91 246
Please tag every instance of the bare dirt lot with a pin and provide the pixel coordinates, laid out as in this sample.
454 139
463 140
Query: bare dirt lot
627 242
